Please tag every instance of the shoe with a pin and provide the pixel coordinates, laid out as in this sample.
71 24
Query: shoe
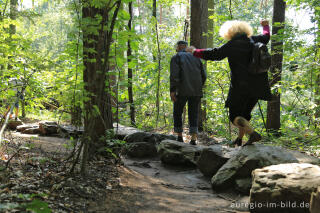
180 139
193 142
254 137
237 142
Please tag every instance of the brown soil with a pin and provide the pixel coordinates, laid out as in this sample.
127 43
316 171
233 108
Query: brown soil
143 186
147 186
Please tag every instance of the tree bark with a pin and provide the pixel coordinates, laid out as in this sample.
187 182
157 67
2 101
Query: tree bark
210 24
13 15
317 71
273 108
97 39
198 38
129 55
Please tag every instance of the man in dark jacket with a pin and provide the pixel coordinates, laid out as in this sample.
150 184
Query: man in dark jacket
187 77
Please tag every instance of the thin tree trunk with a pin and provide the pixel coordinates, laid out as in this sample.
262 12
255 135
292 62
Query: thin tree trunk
129 55
210 24
273 109
13 15
198 38
317 71
154 14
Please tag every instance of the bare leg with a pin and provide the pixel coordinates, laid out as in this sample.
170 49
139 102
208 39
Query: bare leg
16 113
242 123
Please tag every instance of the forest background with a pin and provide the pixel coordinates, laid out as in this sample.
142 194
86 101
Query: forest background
110 59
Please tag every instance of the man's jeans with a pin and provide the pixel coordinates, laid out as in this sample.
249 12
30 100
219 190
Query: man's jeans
193 111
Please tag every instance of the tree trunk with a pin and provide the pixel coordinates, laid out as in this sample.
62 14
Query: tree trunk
273 109
210 24
96 48
317 71
198 31
13 15
129 55
154 14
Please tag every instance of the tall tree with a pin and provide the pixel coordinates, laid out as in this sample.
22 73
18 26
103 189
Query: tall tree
98 22
129 55
198 37
154 14
210 23
317 68
278 21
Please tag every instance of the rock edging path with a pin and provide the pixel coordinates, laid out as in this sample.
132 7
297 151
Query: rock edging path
228 168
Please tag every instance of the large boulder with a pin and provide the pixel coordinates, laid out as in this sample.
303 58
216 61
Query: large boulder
253 157
23 127
67 131
141 149
143 144
48 127
140 137
178 153
212 159
284 188
315 201
13 124
33 130
122 131
147 137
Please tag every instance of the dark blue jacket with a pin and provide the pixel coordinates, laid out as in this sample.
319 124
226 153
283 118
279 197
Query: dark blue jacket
187 75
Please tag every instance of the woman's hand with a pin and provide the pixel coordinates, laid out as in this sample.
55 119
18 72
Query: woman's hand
190 49
264 23
173 96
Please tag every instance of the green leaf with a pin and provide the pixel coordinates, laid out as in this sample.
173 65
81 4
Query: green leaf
38 206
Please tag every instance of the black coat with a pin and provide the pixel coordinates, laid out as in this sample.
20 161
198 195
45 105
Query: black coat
238 51
187 74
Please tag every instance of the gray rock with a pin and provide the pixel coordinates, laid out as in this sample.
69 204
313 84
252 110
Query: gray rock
161 137
67 131
178 153
23 127
252 157
48 127
140 137
212 159
287 187
243 185
122 131
141 149
147 137
315 201
33 130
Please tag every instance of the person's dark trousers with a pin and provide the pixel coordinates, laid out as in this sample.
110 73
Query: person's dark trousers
193 112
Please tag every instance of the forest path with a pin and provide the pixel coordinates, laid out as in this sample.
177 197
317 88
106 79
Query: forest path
47 143
147 186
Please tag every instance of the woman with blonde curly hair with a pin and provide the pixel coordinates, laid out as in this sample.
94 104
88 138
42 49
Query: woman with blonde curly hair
245 89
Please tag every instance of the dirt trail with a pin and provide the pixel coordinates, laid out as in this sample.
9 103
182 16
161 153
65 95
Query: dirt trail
49 144
147 186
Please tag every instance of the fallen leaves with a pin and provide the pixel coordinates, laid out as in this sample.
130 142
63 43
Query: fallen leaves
39 181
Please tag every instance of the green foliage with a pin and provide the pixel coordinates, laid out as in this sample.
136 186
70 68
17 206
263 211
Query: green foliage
47 51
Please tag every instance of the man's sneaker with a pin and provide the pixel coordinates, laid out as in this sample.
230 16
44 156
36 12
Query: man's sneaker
193 142
180 139
237 142
254 137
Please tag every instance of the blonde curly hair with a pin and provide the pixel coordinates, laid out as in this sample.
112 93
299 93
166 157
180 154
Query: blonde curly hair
230 28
